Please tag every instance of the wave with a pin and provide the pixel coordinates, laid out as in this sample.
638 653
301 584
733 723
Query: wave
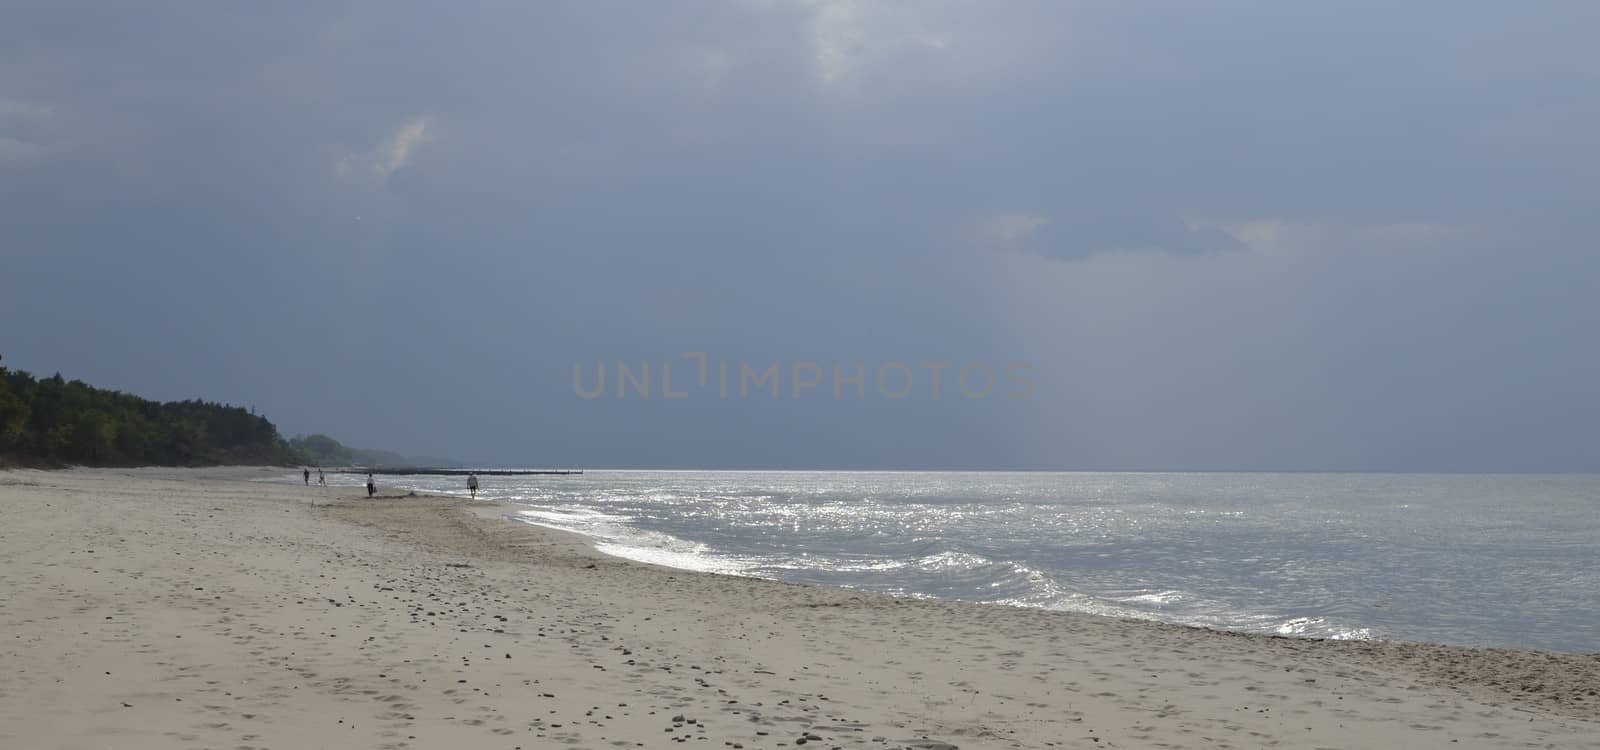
941 572
612 535
1305 556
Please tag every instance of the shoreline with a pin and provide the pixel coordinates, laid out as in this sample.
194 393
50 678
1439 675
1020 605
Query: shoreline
498 513
1374 606
369 612
593 544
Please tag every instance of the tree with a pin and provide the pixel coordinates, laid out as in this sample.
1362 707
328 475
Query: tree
54 420
13 416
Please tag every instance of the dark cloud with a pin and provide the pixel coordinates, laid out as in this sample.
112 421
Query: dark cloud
403 223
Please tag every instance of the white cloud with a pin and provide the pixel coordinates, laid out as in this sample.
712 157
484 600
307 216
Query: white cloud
854 48
15 110
851 36
847 39
16 153
1281 237
1401 236
840 38
1008 230
1077 238
707 68
389 156
22 123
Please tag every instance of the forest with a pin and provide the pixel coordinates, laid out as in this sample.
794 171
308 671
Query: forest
53 421
321 450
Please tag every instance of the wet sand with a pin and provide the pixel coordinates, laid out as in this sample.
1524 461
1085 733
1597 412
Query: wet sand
195 609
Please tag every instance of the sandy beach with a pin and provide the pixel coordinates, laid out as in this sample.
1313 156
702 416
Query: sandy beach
200 609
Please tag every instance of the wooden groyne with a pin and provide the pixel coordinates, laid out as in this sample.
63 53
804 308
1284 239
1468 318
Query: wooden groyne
416 470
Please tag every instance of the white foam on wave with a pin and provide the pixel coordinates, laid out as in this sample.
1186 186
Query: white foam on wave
1179 608
611 534
1155 598
936 573
850 565
576 517
953 560
695 559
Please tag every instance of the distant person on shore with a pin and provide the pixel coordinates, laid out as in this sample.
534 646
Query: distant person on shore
372 487
322 480
307 473
472 484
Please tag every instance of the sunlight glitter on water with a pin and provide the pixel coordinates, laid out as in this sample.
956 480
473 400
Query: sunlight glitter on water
1483 560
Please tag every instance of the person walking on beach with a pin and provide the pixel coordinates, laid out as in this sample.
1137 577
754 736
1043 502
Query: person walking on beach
322 481
307 473
472 484
372 487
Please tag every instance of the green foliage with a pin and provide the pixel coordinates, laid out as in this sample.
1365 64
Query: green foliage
52 420
13 415
322 450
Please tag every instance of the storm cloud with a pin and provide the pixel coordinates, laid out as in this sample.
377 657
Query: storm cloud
1225 235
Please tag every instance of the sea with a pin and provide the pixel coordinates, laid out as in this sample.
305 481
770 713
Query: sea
1480 560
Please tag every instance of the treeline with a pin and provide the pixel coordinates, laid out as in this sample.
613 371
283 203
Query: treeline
51 420
321 450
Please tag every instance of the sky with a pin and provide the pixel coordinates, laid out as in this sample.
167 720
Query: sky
1351 236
